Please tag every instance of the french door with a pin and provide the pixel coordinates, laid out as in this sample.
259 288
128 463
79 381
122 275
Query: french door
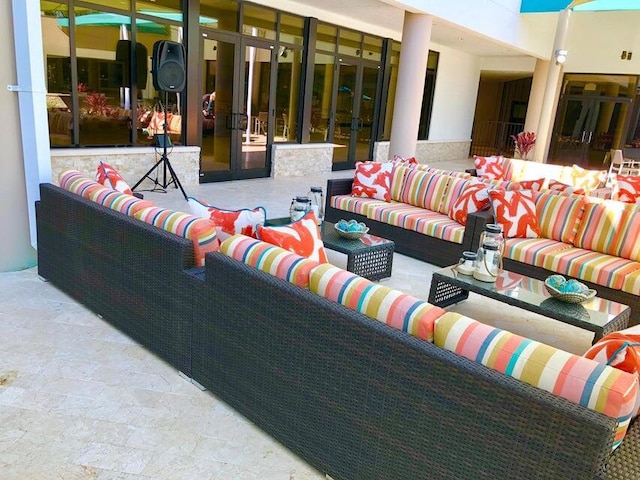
236 129
587 128
352 128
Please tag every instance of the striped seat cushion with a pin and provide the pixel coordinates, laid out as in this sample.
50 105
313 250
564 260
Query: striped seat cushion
396 309
269 258
612 227
559 216
357 205
419 220
631 283
594 267
580 380
532 251
423 189
201 231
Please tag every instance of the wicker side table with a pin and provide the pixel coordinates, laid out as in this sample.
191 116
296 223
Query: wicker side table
371 256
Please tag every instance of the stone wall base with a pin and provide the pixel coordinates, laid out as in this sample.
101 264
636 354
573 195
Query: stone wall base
428 151
132 163
298 160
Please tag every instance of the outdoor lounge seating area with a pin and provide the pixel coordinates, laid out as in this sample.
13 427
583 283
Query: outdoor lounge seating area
305 332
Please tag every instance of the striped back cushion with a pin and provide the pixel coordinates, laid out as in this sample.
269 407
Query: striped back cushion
269 258
76 182
425 190
559 216
398 177
396 309
441 171
201 231
455 186
580 380
612 227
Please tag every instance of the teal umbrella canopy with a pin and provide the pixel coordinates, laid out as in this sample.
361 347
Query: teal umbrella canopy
532 6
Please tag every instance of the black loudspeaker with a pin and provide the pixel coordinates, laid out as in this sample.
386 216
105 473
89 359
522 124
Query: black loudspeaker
123 56
168 66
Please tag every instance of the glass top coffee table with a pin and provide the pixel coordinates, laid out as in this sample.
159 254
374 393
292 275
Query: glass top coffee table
370 256
598 315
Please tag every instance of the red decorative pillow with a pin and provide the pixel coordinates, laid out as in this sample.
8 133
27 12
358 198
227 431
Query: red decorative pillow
405 161
536 185
626 188
301 237
110 177
230 222
373 180
515 210
558 187
474 198
491 168
620 350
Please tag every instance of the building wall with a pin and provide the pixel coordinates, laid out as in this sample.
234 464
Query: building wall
455 95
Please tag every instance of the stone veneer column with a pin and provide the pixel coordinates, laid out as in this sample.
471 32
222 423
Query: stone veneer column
552 90
23 145
412 71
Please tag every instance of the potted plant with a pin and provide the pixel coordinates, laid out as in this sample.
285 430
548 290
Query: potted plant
525 142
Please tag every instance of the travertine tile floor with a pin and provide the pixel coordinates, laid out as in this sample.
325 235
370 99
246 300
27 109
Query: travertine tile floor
79 400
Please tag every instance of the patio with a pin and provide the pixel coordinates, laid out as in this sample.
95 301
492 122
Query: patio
80 400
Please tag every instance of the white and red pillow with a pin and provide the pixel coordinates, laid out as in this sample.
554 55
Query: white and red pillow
474 198
536 185
110 177
490 168
556 186
626 188
515 210
373 180
230 222
404 161
301 237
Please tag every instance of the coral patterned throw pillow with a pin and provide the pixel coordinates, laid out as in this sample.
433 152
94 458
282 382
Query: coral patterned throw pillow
490 168
474 198
230 222
626 188
515 210
373 180
110 177
301 237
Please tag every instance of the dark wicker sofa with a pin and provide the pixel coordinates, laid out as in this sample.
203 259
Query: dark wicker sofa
352 396
409 242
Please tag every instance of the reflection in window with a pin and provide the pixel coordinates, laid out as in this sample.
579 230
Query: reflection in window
167 9
219 14
258 22
287 91
99 88
321 97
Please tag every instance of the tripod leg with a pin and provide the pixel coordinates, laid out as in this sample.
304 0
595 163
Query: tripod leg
174 178
146 175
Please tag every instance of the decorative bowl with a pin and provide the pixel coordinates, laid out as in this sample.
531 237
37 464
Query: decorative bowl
351 229
568 291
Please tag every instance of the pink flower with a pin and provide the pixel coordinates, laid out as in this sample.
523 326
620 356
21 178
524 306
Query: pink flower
524 142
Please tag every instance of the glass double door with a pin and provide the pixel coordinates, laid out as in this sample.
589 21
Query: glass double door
354 126
587 128
236 133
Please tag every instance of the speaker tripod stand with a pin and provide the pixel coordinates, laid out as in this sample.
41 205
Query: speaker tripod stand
168 174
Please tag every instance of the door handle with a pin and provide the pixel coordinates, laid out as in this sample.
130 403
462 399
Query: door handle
584 134
590 137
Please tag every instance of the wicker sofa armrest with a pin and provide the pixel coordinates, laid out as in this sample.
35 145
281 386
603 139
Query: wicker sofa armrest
337 186
476 223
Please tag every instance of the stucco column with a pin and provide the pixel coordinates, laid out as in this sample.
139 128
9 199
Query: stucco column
412 71
536 95
22 99
552 90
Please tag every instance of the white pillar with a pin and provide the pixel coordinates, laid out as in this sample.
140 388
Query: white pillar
412 71
552 90
536 96
25 139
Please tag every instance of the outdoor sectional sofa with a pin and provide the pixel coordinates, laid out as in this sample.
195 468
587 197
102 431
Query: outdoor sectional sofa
416 215
355 397
582 236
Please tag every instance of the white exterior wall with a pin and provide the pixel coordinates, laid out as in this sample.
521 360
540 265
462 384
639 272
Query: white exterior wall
456 90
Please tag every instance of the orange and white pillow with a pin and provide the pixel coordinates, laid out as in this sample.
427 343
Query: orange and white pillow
626 188
301 237
620 350
558 187
536 185
474 198
110 177
230 222
515 210
373 180
490 168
